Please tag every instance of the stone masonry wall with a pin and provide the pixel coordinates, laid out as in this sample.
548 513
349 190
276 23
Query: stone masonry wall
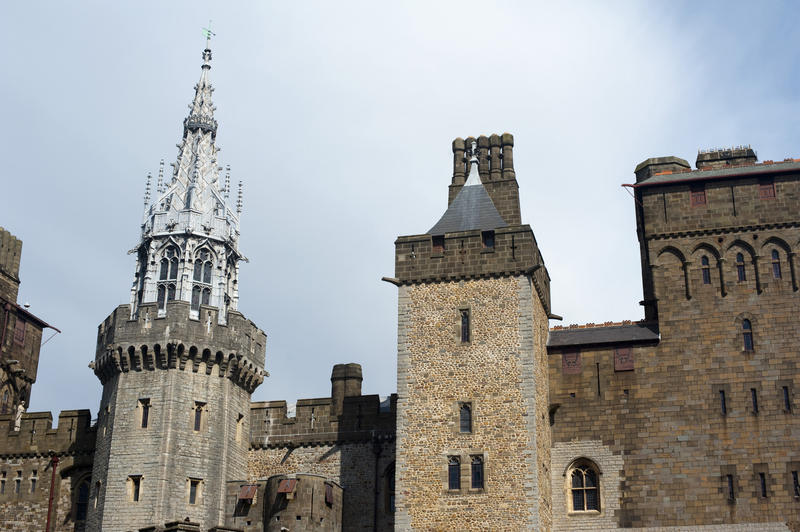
496 372
26 469
352 465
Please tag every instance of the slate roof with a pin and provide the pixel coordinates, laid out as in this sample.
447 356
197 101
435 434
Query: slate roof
471 209
721 173
597 336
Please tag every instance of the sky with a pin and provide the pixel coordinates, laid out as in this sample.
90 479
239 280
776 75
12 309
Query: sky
339 117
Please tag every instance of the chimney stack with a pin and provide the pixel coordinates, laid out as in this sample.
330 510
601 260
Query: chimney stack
345 382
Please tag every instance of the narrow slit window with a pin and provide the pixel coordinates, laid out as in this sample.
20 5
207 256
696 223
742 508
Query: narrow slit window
740 271
18 482
754 399
722 403
747 335
477 472
706 268
454 473
731 491
795 484
762 481
144 404
3 482
776 264
136 488
465 417
787 403
465 325
34 480
198 415
194 485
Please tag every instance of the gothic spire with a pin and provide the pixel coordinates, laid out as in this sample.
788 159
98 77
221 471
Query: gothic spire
191 220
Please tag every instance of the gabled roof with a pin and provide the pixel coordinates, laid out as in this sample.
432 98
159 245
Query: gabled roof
638 332
471 209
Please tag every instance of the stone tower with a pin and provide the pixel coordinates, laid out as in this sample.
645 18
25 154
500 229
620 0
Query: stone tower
179 363
473 435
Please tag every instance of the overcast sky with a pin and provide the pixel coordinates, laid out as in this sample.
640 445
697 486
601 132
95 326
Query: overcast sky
338 117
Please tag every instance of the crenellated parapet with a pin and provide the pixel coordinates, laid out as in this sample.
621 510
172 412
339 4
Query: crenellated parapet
149 342
74 435
346 416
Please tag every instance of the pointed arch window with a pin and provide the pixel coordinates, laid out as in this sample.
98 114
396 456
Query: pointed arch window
201 291
706 269
584 488
465 417
476 469
454 473
776 264
167 277
82 501
740 271
747 335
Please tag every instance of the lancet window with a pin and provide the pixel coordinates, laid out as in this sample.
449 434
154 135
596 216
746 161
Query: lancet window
167 276
201 289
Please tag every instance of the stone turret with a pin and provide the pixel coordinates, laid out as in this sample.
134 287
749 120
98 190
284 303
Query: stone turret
178 364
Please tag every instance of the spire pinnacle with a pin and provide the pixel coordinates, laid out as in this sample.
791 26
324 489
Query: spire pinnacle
227 189
160 182
239 200
147 190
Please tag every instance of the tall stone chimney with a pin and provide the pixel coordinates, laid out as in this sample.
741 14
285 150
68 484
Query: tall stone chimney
345 382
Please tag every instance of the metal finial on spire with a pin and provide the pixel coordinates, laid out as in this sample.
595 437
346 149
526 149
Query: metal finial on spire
208 33
147 189
227 189
160 182
239 201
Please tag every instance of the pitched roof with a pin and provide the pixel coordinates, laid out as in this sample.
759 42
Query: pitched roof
583 336
471 209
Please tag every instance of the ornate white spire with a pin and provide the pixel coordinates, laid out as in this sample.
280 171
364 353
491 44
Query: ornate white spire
190 220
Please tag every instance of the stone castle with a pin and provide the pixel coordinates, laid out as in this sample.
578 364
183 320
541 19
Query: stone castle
684 420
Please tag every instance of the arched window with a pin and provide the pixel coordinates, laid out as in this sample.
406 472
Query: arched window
202 274
196 297
776 264
740 267
476 468
465 417
747 335
454 473
167 275
82 501
584 487
706 270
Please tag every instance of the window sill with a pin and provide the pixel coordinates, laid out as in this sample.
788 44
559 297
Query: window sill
584 513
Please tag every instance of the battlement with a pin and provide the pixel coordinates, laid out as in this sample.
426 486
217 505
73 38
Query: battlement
10 253
151 342
36 436
468 255
345 416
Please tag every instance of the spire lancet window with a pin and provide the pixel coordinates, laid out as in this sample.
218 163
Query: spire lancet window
201 290
167 277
